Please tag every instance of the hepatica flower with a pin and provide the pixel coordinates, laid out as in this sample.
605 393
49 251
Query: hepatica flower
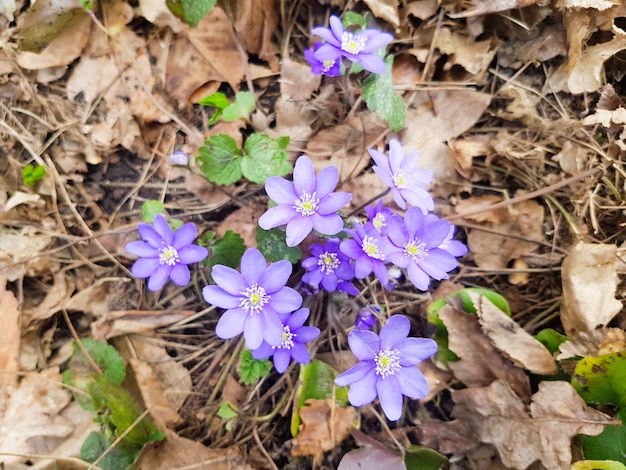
386 367
331 67
404 178
254 299
305 204
366 248
293 346
164 254
359 47
418 245
378 216
366 317
329 267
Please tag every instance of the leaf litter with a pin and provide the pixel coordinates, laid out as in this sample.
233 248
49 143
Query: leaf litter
504 99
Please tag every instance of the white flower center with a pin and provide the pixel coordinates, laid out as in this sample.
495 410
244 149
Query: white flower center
387 362
379 221
288 337
370 248
401 180
352 43
415 249
254 299
328 262
168 255
306 204
328 65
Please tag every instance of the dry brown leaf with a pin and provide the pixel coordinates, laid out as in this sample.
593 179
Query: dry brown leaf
593 343
153 394
557 413
440 116
474 56
385 9
203 54
423 9
122 322
447 437
572 158
484 7
481 363
32 417
244 222
179 452
255 22
55 299
324 425
344 146
589 277
19 197
9 336
63 50
511 339
482 203
157 13
494 251
19 251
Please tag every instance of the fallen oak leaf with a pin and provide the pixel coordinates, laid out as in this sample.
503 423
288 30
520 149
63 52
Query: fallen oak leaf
481 363
511 339
557 413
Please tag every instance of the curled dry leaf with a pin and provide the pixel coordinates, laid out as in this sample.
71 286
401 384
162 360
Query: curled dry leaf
324 425
589 277
447 437
557 413
480 362
122 322
593 343
385 9
511 339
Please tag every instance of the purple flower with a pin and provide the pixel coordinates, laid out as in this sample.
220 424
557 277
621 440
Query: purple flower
365 248
359 47
366 317
328 266
295 335
331 68
387 366
254 299
164 254
378 216
404 178
179 158
454 247
305 204
415 245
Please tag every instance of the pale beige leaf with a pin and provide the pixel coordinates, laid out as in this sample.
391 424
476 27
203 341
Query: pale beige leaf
595 4
63 50
385 9
511 339
480 362
157 13
557 413
9 336
19 250
593 343
585 74
121 322
589 277
483 7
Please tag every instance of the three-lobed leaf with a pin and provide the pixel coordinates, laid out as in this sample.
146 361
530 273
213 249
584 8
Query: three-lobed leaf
265 157
380 97
220 159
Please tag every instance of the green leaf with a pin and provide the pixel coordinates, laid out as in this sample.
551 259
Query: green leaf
265 157
602 379
191 11
221 159
151 209
609 444
120 408
423 458
317 381
216 100
227 250
86 4
380 97
551 339
103 355
598 465
241 108
31 175
119 458
227 410
252 369
351 18
272 243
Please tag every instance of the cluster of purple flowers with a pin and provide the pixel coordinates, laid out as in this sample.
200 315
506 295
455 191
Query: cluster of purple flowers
256 299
